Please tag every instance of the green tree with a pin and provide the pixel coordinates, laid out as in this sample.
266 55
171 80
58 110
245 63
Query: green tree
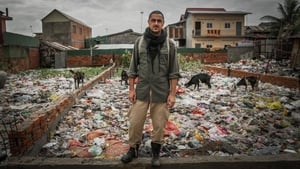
125 59
288 23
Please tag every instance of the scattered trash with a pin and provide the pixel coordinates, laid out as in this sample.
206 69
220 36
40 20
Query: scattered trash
210 121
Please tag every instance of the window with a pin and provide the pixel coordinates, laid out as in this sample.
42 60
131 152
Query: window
176 33
208 46
238 28
171 32
209 25
227 25
198 28
74 29
197 45
80 31
226 46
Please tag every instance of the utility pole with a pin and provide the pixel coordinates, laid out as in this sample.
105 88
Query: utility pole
142 12
31 31
91 51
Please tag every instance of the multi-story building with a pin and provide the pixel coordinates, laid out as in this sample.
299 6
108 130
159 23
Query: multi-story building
64 29
213 28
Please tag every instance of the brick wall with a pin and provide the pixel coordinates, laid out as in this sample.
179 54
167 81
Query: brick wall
99 60
21 64
103 59
34 58
85 60
78 61
288 82
18 64
207 58
33 62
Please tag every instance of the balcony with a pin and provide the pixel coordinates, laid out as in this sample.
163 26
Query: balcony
213 32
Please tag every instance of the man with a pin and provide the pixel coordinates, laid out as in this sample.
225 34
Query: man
154 63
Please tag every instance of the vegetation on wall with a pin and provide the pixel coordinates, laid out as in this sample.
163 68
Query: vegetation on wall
188 64
50 73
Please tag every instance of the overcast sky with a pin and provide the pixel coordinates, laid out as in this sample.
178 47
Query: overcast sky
112 16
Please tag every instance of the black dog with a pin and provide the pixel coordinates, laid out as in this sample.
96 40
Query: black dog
124 77
203 77
78 78
249 80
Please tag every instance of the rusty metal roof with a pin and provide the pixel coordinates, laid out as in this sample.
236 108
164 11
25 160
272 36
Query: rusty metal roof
59 46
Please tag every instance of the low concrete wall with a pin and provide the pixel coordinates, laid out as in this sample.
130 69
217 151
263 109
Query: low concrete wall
287 161
239 52
288 82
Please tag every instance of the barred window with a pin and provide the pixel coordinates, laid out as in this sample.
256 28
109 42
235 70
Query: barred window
209 25
227 25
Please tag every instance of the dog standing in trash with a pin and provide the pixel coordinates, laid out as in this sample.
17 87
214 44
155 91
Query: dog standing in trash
124 77
196 79
248 81
78 78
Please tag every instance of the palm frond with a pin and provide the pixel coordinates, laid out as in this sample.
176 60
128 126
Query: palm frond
289 22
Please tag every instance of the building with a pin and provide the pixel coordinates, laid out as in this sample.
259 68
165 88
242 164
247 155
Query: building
177 32
64 29
213 28
124 37
262 38
3 19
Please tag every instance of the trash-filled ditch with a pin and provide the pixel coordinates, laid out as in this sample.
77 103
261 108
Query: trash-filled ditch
215 121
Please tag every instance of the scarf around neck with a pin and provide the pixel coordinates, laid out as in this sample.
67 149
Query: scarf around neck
154 44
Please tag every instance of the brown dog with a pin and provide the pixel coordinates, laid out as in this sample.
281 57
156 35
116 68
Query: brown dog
78 78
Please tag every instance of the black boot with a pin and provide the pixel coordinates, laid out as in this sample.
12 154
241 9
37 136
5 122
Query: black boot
132 153
155 154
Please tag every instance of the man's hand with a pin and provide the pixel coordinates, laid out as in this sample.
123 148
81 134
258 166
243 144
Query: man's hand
171 100
132 96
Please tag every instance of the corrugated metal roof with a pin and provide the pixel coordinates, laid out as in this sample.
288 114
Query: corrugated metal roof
59 46
114 46
257 29
120 33
20 40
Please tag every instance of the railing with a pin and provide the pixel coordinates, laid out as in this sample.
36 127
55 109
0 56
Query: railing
213 32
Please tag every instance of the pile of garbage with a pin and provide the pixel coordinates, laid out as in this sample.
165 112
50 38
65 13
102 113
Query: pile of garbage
267 66
23 95
217 121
